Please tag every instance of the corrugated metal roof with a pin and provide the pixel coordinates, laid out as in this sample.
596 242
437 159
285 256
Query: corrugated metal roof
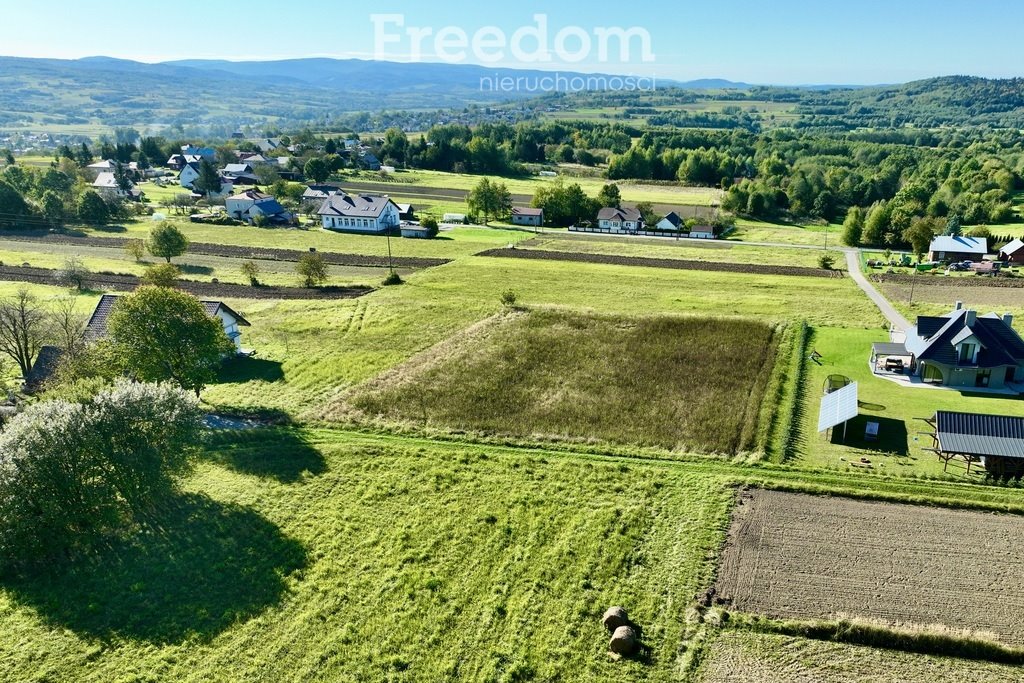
960 245
974 434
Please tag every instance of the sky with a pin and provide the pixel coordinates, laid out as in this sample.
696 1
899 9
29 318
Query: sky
770 42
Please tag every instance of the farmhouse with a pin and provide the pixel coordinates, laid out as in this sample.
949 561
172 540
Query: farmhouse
620 220
997 441
103 166
96 329
525 216
1013 252
251 204
945 248
368 214
236 170
107 185
963 349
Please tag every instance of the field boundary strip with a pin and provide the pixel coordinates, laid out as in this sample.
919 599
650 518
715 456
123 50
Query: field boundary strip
127 283
241 252
646 262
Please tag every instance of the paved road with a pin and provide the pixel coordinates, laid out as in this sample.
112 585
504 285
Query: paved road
890 313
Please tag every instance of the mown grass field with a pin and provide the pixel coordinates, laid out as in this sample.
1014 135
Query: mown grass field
743 657
674 383
303 556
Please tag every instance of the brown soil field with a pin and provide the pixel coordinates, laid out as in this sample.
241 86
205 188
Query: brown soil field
126 283
950 282
984 298
800 556
645 262
738 657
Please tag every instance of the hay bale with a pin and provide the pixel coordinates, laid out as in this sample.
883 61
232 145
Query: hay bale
615 617
623 641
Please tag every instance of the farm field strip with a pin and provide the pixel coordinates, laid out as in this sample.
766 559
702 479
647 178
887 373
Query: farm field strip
741 657
647 262
793 555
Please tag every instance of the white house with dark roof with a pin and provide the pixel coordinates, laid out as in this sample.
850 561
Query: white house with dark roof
620 220
249 205
96 328
106 184
188 174
364 213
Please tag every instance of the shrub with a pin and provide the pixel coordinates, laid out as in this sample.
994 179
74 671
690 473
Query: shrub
72 274
312 269
826 261
509 298
251 272
72 472
136 249
393 278
163 275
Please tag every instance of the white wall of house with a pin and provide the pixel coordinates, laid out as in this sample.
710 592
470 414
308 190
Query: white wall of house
239 207
388 219
187 176
704 233
230 327
619 226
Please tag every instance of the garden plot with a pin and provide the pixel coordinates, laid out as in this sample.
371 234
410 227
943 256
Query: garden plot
801 556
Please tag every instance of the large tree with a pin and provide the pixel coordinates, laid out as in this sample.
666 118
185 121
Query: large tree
92 208
317 169
489 200
23 329
158 334
853 226
208 181
166 241
610 196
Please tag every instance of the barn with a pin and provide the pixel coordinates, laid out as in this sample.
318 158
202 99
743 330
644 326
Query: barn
996 441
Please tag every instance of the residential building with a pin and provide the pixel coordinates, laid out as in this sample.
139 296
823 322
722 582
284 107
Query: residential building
249 205
370 214
406 212
236 170
208 153
620 220
188 174
96 328
947 248
963 349
702 232
107 185
527 216
319 192
1013 252
671 222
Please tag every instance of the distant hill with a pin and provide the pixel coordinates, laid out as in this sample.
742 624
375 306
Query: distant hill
221 95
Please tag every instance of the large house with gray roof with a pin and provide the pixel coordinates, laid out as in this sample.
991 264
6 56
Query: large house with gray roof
962 349
363 213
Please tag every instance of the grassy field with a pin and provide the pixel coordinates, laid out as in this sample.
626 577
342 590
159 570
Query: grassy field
690 250
812 235
453 243
898 449
313 351
307 557
743 657
658 382
631 191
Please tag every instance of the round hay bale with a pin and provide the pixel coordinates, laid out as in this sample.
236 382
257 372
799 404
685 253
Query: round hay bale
615 617
623 641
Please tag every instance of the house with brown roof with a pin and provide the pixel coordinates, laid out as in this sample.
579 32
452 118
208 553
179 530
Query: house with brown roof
620 220
363 213
527 216
96 329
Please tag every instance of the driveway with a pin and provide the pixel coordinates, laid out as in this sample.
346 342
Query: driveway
890 313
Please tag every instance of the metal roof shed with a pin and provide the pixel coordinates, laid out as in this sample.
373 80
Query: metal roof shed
997 440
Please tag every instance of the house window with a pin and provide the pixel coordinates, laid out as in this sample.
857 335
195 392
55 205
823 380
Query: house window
983 378
967 353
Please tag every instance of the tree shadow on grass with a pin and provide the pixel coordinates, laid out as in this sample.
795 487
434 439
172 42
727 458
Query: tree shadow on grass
110 228
193 269
281 454
240 370
206 566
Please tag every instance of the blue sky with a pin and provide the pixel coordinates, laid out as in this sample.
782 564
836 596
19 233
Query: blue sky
782 41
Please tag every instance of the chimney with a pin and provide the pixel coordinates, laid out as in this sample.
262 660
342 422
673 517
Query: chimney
959 305
1008 319
972 317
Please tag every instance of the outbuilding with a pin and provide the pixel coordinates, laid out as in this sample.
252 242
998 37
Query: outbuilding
528 216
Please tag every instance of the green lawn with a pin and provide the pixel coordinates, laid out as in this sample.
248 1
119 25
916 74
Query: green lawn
898 451
314 557
812 235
